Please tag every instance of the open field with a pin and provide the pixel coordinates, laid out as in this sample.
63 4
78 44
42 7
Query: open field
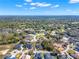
4 49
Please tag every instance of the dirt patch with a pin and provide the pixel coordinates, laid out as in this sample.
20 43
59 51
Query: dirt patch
4 49
1 57
3 52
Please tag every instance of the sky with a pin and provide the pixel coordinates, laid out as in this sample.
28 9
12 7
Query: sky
39 7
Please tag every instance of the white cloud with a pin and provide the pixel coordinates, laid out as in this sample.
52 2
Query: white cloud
68 10
74 12
38 4
74 1
25 3
28 0
55 6
17 5
33 8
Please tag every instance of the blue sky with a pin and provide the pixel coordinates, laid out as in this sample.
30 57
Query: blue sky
39 7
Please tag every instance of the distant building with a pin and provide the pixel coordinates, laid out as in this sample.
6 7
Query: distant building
65 39
53 33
